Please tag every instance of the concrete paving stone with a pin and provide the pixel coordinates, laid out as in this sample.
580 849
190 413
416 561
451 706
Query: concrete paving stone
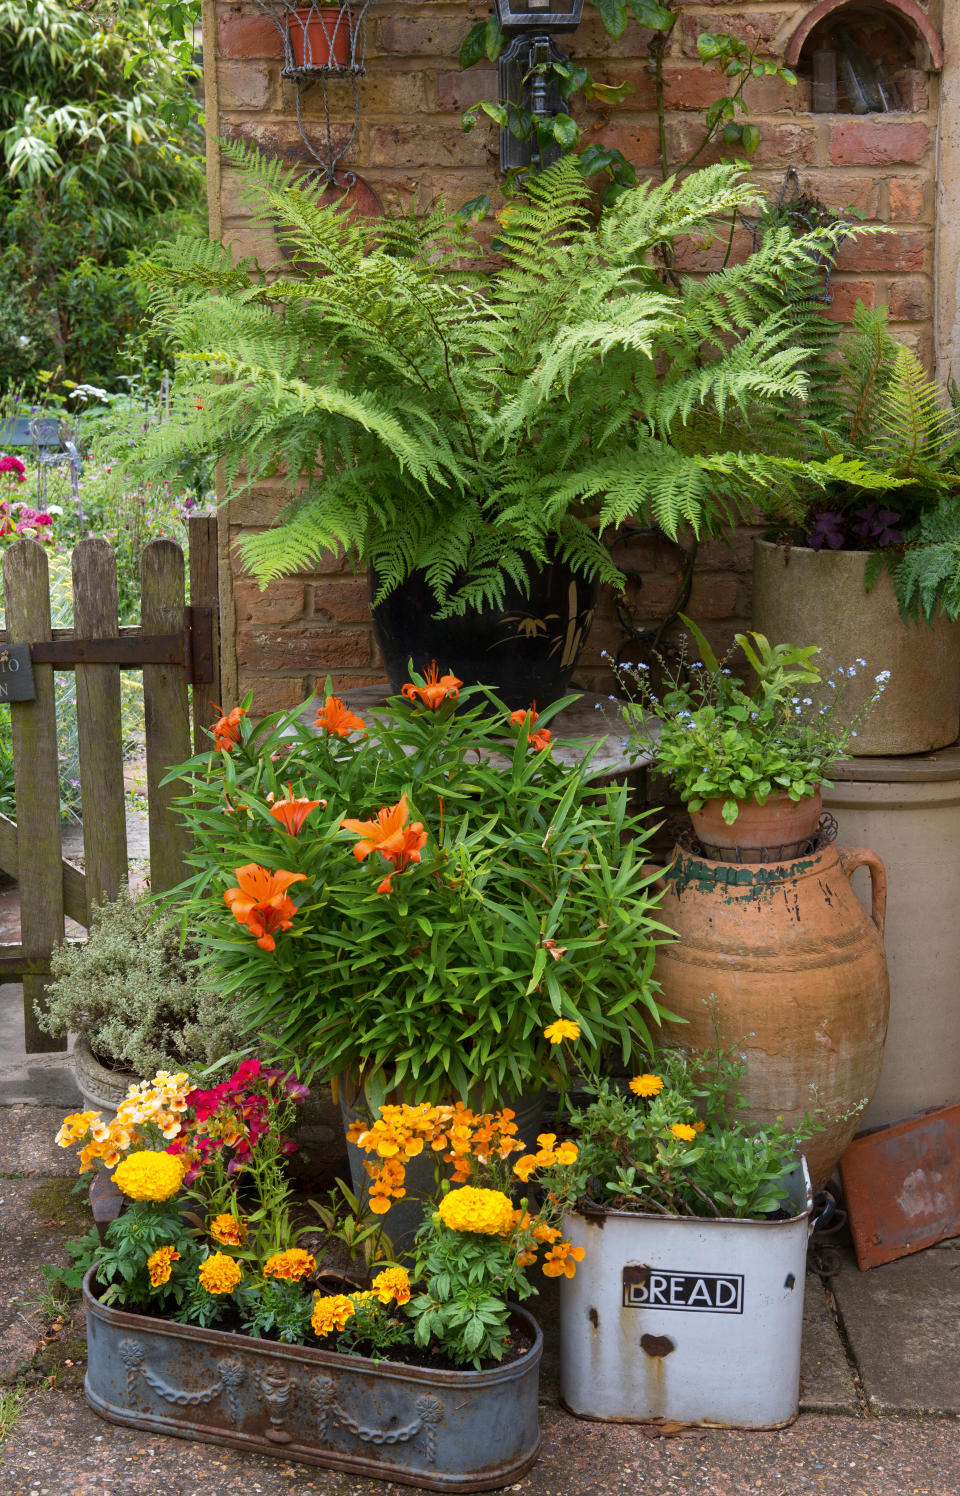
27 1142
60 1448
36 1218
35 1079
826 1381
901 1322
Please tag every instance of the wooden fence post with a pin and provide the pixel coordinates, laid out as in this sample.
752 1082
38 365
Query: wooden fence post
205 593
95 616
36 768
166 712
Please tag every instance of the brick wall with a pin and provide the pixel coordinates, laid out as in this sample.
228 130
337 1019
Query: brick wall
283 641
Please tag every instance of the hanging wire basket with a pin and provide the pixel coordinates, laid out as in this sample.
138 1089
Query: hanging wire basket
319 41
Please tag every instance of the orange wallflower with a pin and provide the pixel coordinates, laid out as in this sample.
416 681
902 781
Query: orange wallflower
435 690
261 902
292 811
338 720
390 835
226 732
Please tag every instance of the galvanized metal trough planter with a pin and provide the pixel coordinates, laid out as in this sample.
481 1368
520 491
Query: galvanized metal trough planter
688 1321
442 1430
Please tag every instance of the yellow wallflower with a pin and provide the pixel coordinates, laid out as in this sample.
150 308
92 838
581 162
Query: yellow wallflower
646 1085
563 1028
487 1212
683 1132
293 1264
567 1153
219 1274
160 1265
149 1176
330 1313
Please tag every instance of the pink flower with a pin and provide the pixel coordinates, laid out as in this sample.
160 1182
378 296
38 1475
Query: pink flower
14 467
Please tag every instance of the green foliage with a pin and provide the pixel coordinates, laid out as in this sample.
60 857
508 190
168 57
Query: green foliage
347 1220
717 738
374 1329
927 577
530 901
82 1253
467 1279
140 1228
631 1158
469 420
100 137
132 989
277 1309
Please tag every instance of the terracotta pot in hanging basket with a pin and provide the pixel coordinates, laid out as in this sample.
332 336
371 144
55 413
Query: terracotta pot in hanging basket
761 833
320 36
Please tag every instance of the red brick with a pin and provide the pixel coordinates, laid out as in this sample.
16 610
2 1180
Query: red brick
407 146
302 649
639 143
272 693
257 507
844 296
276 604
736 554
248 36
342 602
280 137
780 144
748 27
243 86
643 91
700 257
907 199
841 193
877 142
893 251
408 36
712 596
591 40
459 91
913 86
345 680
910 299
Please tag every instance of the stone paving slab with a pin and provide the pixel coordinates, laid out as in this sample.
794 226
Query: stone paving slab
36 1217
27 1144
35 1079
901 1322
826 1381
60 1448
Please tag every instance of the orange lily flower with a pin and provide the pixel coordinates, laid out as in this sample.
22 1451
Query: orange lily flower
338 720
519 717
390 835
292 811
261 902
436 690
540 739
226 731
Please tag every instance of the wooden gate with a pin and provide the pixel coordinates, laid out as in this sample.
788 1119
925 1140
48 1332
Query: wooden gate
175 646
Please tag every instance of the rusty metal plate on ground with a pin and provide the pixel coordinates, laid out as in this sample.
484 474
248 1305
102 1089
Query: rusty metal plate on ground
902 1186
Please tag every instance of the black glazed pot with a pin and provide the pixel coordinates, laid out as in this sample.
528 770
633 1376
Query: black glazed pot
525 651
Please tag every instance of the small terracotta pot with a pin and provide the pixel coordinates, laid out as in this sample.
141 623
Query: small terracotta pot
320 38
780 828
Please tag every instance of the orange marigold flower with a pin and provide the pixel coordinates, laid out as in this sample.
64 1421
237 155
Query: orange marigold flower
219 1273
540 739
294 1264
392 1285
646 1085
699 1126
390 835
293 810
337 720
226 731
261 902
330 1312
563 1028
435 690
160 1265
228 1231
561 1260
684 1133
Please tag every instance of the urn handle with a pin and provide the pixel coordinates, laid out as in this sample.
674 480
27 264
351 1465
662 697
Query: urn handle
853 857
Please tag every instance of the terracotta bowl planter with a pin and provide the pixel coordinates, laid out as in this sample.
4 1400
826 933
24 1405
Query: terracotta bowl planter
761 833
320 38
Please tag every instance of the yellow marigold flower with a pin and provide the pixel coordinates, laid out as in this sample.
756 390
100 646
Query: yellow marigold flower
227 1230
149 1176
293 1264
563 1028
567 1153
392 1285
646 1085
525 1166
160 1265
330 1313
487 1212
683 1132
219 1274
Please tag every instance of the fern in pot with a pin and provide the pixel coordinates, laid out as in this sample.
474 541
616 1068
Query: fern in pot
462 420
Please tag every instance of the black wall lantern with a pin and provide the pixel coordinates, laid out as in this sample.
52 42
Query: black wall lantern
524 71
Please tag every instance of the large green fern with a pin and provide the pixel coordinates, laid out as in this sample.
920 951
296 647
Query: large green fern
436 406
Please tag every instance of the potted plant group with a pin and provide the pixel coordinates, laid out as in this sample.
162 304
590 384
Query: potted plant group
871 567
688 1306
209 1314
765 917
403 901
484 422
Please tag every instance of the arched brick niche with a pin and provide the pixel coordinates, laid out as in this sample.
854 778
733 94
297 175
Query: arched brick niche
913 23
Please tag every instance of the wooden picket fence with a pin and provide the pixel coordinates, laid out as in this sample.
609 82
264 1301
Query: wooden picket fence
176 647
